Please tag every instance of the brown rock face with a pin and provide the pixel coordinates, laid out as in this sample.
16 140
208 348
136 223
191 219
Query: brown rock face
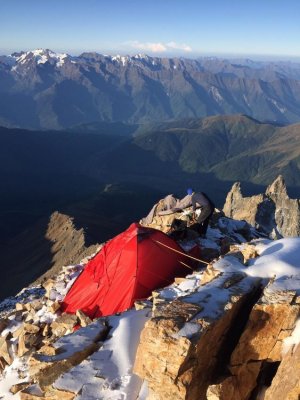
286 384
179 347
242 208
260 347
287 215
68 243
42 249
273 212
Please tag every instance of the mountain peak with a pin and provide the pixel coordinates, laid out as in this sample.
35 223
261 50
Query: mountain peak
40 56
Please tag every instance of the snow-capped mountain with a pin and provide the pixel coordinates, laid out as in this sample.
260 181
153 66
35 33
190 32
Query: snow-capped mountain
40 56
44 89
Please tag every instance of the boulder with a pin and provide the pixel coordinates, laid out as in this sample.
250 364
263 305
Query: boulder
51 394
63 324
28 342
209 274
19 386
4 350
20 307
84 320
53 306
31 328
48 286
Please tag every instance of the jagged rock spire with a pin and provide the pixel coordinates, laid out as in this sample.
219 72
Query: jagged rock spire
274 213
235 195
277 188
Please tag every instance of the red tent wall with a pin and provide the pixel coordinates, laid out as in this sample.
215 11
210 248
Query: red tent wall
127 268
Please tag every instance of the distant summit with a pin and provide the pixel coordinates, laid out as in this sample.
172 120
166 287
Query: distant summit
49 90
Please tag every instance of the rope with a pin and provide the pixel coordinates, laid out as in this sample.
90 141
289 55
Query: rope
184 254
181 262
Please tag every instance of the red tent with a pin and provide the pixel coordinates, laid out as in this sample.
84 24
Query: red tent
127 268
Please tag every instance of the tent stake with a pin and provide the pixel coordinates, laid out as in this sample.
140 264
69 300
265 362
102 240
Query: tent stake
184 254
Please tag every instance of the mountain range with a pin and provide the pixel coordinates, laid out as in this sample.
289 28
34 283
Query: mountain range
45 171
42 89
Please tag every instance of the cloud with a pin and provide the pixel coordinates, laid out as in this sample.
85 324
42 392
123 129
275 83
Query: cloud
153 47
159 47
177 46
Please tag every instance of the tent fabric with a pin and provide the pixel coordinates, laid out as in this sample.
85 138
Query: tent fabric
127 268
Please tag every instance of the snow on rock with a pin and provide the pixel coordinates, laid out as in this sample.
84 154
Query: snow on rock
216 94
8 60
108 372
12 376
277 258
40 56
26 295
71 344
293 340
121 59
281 109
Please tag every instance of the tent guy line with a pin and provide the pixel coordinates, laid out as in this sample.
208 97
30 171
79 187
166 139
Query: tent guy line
184 254
181 262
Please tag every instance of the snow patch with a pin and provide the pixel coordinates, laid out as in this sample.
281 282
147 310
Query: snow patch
246 100
277 258
292 340
281 109
120 59
108 372
11 376
216 94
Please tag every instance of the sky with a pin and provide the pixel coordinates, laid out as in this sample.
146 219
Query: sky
187 28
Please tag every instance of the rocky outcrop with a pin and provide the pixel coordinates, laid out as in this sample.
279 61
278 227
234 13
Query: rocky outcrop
40 252
256 357
226 332
67 243
273 212
287 211
203 347
181 345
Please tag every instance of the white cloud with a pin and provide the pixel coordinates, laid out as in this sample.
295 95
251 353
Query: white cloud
153 47
179 46
159 47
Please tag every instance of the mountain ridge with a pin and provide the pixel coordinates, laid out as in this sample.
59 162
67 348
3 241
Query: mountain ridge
43 89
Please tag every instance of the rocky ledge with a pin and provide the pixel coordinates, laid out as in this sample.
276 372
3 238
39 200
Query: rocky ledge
229 331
